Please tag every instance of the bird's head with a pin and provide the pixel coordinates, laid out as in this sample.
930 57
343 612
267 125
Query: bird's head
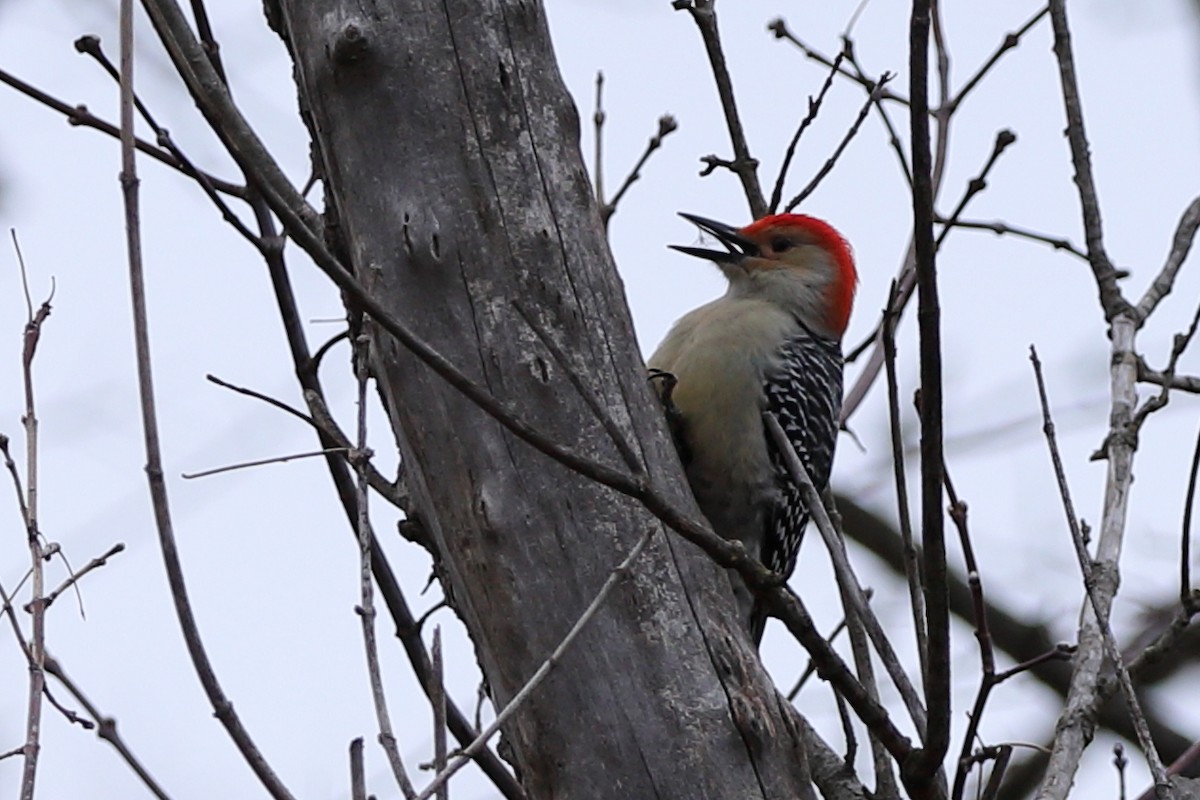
794 260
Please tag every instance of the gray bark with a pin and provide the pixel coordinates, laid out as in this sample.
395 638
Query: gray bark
449 148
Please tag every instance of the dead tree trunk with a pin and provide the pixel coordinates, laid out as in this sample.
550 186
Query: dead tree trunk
449 148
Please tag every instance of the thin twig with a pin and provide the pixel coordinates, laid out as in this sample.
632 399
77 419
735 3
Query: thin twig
1182 383
90 45
1120 762
1185 235
1011 40
667 125
907 278
81 117
1001 228
75 577
598 117
872 98
263 461
366 608
847 729
1088 569
811 668
326 424
987 657
1111 299
1004 139
860 650
893 137
37 605
1179 344
790 609
16 751
999 766
547 666
814 108
779 28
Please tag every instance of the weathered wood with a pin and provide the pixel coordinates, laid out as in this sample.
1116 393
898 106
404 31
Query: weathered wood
450 151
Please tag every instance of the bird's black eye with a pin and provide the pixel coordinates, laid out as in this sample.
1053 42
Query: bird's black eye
780 244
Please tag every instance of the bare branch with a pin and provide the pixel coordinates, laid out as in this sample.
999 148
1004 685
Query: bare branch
1099 603
921 777
366 608
811 668
1179 344
704 14
907 278
36 650
1001 228
261 462
666 126
1004 139
814 108
1184 383
1011 40
158 492
540 675
75 577
779 27
893 136
80 116
90 45
598 117
872 98
106 728
1185 234
853 596
1111 299
323 422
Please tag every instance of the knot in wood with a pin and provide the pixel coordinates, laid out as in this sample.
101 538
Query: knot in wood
350 44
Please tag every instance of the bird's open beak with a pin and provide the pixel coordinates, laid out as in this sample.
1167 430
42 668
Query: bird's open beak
738 246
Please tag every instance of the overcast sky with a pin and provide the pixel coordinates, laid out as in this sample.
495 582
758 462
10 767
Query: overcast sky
272 570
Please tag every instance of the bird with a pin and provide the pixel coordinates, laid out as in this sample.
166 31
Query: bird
772 342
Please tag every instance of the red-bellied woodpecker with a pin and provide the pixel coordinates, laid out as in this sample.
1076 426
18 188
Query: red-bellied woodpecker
772 342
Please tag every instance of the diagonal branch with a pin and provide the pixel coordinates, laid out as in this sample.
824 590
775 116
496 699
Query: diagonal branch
872 99
852 593
1185 235
1100 605
614 577
814 108
1111 299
